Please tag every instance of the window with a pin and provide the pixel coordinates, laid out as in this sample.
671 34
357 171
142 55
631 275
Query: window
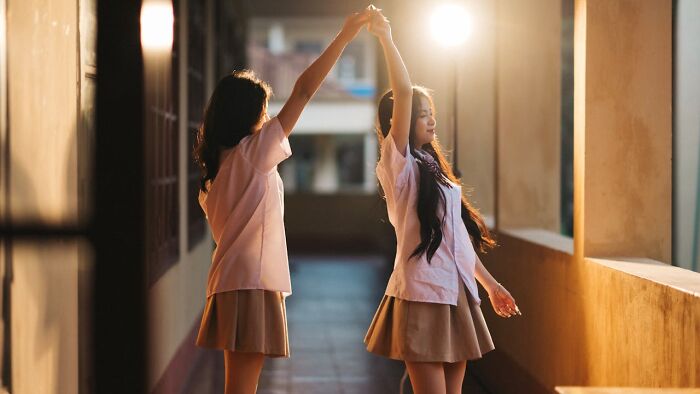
162 202
195 107
567 118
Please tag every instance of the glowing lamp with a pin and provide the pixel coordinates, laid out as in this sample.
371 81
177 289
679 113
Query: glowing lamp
450 25
157 25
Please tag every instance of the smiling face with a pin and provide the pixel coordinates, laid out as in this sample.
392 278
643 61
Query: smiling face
424 131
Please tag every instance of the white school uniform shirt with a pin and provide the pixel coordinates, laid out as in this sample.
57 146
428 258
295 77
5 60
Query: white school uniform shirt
245 207
454 261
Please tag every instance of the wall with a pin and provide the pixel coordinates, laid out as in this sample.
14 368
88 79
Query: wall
591 322
528 112
176 302
43 110
339 223
604 308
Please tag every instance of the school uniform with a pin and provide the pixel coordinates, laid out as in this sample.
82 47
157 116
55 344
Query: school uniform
429 312
249 274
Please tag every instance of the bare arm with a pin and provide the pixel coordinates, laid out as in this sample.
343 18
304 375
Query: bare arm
309 81
399 81
484 277
503 303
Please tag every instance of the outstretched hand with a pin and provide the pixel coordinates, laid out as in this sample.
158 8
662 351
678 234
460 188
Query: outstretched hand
503 303
354 22
378 23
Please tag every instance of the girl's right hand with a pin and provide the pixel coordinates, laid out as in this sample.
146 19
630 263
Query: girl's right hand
378 23
354 23
503 303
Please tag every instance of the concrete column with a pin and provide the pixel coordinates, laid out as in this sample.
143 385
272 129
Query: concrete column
622 127
528 63
476 107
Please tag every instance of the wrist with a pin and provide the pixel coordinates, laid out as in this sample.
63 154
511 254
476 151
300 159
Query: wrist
493 287
385 39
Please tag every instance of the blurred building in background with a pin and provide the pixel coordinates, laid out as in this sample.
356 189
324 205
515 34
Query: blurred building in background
334 146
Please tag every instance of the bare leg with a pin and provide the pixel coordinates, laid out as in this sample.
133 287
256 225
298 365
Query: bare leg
242 371
454 376
426 378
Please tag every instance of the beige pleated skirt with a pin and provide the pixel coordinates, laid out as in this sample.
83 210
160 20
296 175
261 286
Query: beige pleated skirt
252 321
429 332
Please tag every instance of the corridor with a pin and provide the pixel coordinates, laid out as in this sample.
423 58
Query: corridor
592 194
332 305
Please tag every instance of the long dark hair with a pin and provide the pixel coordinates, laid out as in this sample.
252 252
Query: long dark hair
431 177
236 105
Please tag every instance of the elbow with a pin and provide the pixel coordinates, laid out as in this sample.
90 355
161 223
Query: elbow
302 90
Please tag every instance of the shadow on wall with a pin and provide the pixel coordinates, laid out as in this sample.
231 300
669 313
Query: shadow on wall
43 288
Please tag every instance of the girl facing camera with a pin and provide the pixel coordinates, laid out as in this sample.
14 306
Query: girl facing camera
430 315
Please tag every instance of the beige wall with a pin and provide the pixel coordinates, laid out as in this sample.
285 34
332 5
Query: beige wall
43 111
176 302
476 97
622 127
529 114
621 319
45 317
590 322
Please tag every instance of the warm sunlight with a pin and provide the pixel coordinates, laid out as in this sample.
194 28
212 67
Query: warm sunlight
157 25
450 24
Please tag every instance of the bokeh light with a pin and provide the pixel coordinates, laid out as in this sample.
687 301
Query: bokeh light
450 24
157 25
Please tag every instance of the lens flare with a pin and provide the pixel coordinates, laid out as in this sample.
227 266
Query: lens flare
157 25
451 25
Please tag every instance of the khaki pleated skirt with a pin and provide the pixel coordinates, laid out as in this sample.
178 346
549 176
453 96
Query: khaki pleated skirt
429 332
253 321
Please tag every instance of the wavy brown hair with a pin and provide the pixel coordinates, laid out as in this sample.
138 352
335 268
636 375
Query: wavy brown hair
236 105
431 177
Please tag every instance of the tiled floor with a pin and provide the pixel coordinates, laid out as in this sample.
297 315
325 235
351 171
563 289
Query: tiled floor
333 303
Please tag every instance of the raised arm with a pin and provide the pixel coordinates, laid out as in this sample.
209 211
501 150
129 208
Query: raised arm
399 80
310 80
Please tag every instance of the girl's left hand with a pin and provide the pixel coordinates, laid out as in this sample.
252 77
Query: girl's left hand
378 24
503 303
